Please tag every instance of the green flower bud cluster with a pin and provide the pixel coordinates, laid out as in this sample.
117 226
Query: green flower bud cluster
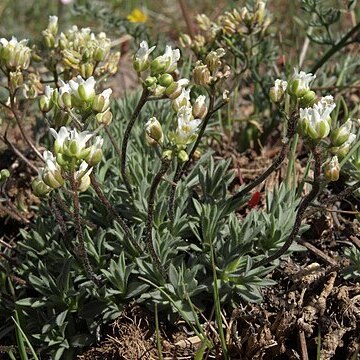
160 80
73 158
14 55
78 95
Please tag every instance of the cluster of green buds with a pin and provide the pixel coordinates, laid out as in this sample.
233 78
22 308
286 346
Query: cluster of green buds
72 160
80 50
14 55
158 72
79 96
213 70
233 25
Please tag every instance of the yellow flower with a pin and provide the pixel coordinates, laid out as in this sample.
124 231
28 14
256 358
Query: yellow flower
137 16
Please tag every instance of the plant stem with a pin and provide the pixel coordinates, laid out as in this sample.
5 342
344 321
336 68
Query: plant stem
277 162
22 131
141 103
306 201
332 199
182 168
17 152
113 142
333 50
217 304
165 164
115 214
81 248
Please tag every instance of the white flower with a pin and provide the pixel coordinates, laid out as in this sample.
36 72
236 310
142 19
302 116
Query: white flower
199 107
174 56
51 173
102 101
315 121
304 79
187 126
182 100
83 89
141 58
167 62
71 142
15 54
82 176
53 24
280 85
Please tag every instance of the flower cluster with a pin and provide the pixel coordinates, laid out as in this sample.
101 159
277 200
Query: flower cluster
14 55
315 123
160 82
158 72
73 160
77 95
213 70
80 50
232 25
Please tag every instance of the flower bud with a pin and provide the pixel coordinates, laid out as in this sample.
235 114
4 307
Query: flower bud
185 40
201 74
16 80
342 151
277 92
104 118
82 177
45 103
48 39
308 99
4 174
84 183
86 70
159 65
86 93
332 169
150 81
167 155
183 156
213 61
141 59
39 188
182 100
341 134
53 25
199 108
102 101
53 178
95 154
166 80
154 131
99 54
299 84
